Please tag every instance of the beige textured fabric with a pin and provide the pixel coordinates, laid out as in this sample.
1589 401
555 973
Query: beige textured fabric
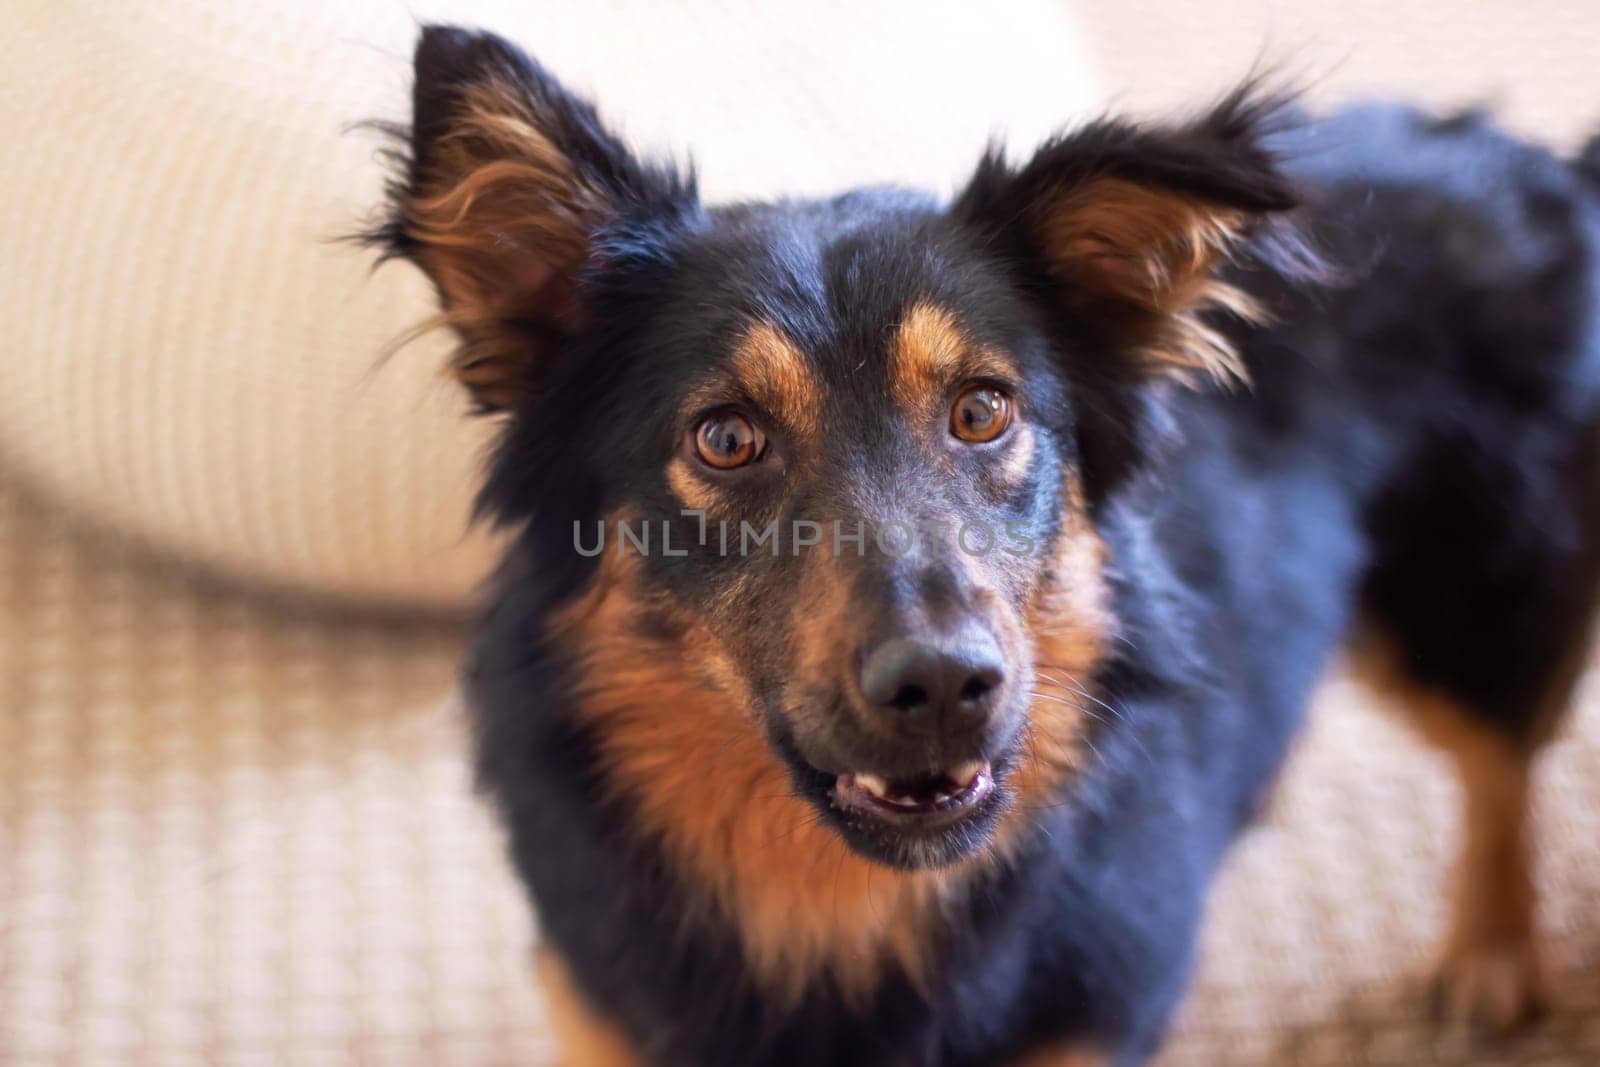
237 835
242 835
189 361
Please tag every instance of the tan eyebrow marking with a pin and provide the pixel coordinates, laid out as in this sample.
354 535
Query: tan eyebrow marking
930 353
773 370
927 350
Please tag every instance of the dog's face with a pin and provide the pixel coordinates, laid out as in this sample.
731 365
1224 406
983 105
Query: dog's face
854 432
851 448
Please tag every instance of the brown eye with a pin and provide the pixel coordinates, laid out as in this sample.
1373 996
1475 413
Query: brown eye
728 440
981 414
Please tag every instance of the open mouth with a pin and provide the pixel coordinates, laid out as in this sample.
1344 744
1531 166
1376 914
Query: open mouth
925 799
914 820
926 820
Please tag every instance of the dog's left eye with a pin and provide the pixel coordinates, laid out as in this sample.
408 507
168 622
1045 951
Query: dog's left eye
727 440
980 414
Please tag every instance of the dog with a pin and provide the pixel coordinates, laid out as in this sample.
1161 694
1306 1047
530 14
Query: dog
908 601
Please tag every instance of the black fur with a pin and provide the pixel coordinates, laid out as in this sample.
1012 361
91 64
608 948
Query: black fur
1416 454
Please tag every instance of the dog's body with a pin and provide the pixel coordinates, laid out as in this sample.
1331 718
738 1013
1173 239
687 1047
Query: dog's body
720 880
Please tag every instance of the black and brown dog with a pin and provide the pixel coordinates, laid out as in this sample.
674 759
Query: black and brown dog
909 601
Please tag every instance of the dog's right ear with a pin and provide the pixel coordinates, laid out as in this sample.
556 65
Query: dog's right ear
1121 231
506 186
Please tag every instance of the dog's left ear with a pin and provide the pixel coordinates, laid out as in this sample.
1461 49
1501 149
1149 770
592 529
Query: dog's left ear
505 192
1120 228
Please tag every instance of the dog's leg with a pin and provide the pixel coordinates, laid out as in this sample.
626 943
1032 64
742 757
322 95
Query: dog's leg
1478 612
1489 974
585 1039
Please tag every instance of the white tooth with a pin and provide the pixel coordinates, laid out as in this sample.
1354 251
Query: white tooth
940 798
873 784
967 773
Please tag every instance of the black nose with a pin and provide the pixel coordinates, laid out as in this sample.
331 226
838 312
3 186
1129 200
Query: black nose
934 686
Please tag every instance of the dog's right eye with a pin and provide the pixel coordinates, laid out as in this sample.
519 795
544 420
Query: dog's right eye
727 440
980 414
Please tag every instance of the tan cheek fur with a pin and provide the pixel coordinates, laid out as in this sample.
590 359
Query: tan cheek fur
1071 623
683 748
681 744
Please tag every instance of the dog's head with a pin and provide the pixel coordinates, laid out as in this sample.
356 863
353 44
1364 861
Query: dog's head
852 448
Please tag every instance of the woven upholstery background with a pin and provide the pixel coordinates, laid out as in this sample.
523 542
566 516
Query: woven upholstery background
241 834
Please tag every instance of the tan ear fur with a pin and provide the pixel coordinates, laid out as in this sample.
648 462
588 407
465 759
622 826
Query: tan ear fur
501 219
1149 256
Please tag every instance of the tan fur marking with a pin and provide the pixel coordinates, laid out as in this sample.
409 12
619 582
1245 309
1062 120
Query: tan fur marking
583 1036
1154 253
500 215
930 354
776 374
1016 461
1071 623
691 490
1489 972
681 744
821 617
925 356
1071 1054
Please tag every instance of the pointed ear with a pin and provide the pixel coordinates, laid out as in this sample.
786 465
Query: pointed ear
504 187
1123 227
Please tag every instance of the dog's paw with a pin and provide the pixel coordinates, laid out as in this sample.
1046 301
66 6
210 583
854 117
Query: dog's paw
1492 987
